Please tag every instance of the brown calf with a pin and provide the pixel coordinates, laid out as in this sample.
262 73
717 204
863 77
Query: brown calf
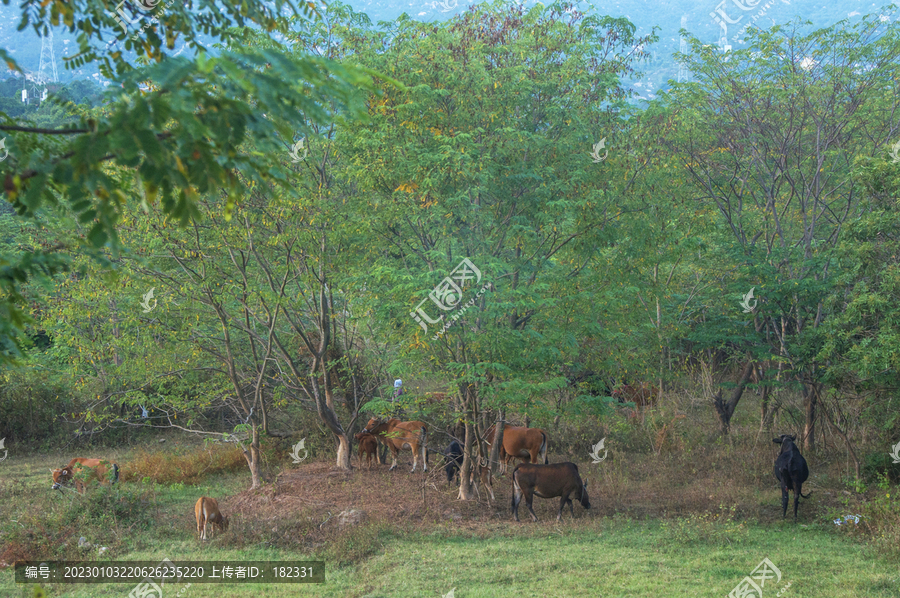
368 444
398 435
207 511
98 470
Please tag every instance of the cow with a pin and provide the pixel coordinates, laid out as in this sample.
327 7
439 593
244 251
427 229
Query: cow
98 470
519 443
454 458
790 471
398 435
207 511
642 395
548 481
483 471
368 444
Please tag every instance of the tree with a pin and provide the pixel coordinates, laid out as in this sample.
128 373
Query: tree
179 137
480 174
772 132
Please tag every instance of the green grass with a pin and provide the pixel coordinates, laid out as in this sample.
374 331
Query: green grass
585 557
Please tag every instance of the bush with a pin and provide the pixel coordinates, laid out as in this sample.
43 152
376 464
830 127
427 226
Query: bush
880 464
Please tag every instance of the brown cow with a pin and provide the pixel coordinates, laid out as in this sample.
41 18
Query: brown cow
642 395
398 435
207 511
98 470
519 443
368 444
548 481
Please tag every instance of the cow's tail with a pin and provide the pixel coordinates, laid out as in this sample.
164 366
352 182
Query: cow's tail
115 473
544 447
516 491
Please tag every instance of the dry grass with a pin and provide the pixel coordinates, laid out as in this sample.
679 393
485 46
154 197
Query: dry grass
186 465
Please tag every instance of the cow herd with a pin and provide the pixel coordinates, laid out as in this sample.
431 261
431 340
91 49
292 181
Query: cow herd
547 480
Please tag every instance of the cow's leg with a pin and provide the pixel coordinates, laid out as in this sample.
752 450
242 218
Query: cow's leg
529 499
796 497
394 453
784 500
414 449
424 450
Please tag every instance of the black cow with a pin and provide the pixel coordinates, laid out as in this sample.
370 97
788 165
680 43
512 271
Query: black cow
454 458
548 481
791 471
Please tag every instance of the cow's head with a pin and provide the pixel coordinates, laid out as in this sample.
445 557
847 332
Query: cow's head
61 477
786 442
224 523
584 495
372 423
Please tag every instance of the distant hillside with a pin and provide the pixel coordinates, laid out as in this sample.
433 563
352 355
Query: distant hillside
699 18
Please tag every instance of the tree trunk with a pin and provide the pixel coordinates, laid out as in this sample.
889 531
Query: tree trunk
765 419
343 452
810 402
466 490
251 454
494 457
726 410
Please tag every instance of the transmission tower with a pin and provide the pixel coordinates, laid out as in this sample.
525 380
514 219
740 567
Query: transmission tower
47 68
682 70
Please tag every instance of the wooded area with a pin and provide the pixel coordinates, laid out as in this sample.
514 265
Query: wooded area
291 276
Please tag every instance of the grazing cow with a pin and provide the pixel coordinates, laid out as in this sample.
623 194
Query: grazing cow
368 444
791 471
519 443
454 458
548 481
398 435
207 511
65 475
483 471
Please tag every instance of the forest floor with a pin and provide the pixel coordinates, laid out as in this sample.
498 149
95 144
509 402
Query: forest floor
677 523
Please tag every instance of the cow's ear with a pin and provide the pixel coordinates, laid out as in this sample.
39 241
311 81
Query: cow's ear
776 440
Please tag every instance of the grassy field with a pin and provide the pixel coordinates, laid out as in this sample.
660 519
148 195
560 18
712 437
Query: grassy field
585 557
646 534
